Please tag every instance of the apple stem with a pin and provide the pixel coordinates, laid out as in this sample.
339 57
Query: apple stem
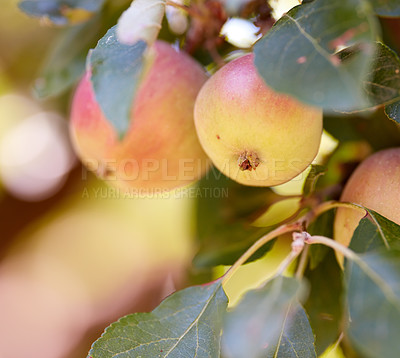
299 238
350 254
257 245
332 204
177 5
286 262
302 263
297 248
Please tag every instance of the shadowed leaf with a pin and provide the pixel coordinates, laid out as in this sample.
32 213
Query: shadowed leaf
324 303
224 215
389 8
66 61
383 80
296 338
393 111
116 71
373 299
299 55
257 321
323 225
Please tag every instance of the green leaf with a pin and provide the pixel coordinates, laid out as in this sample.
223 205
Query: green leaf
215 253
66 62
116 72
296 338
224 215
62 12
373 299
323 225
299 55
390 8
257 320
371 127
312 178
186 324
324 303
383 81
365 237
374 232
393 111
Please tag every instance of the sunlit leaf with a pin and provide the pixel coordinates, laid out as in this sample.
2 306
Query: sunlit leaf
299 55
186 324
311 181
374 232
116 71
141 22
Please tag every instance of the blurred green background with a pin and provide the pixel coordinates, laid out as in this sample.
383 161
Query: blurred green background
73 256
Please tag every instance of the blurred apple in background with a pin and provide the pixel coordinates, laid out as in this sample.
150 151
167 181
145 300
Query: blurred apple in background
73 258
35 152
87 263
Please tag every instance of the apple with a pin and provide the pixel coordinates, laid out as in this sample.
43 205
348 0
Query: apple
251 133
160 149
375 184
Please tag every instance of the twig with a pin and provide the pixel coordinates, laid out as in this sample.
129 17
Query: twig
177 5
350 254
189 10
286 262
332 204
302 263
303 237
257 245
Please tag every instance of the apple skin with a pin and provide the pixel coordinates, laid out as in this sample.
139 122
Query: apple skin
251 133
160 149
374 184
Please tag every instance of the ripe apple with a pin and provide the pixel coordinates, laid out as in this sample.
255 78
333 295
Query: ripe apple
160 149
375 184
252 134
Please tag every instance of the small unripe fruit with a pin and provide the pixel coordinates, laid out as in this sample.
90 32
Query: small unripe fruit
160 149
251 133
375 184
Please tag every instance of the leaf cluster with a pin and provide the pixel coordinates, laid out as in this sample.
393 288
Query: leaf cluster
331 54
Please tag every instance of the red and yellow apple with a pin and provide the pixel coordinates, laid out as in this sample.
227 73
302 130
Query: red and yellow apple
160 149
375 184
251 133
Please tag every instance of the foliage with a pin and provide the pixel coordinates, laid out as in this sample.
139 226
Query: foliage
187 323
330 54
114 74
